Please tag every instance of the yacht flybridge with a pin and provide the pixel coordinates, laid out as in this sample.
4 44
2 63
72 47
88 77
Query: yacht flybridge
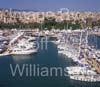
24 46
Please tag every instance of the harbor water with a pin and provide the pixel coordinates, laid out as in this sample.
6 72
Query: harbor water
47 58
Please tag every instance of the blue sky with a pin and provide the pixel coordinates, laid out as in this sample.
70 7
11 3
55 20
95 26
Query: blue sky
44 5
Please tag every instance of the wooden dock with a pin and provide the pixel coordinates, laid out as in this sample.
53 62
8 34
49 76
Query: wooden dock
94 63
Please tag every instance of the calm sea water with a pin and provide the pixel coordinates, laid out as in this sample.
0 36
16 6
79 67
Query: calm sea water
47 58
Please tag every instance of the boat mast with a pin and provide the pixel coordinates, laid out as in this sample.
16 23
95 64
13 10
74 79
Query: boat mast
80 42
86 45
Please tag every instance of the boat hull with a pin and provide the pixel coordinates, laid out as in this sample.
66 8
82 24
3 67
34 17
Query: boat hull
84 79
24 52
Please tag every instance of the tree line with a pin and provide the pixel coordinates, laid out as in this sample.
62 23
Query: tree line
50 23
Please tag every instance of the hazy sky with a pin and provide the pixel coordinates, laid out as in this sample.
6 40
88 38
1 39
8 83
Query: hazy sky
44 5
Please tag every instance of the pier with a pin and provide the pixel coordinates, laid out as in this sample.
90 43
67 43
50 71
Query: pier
93 62
9 47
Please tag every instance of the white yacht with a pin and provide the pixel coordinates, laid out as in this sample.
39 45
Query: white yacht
82 74
24 47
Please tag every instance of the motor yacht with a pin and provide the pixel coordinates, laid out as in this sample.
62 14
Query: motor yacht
82 74
24 47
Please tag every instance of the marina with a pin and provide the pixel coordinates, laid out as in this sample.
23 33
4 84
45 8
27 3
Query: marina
54 43
47 58
69 49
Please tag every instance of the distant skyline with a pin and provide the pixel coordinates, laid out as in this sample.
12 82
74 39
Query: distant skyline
51 5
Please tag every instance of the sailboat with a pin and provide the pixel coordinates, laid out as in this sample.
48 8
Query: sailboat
83 72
